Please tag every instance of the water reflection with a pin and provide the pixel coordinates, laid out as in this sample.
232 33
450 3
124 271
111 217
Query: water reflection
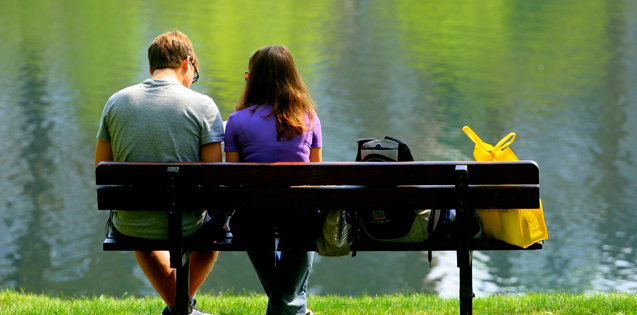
32 256
50 232
617 251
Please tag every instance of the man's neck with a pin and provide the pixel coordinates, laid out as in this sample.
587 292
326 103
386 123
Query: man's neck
167 74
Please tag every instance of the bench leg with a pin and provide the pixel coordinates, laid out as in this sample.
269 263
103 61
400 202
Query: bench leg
183 285
466 284
463 213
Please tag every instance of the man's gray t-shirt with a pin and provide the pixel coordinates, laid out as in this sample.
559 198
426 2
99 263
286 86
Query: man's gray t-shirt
158 121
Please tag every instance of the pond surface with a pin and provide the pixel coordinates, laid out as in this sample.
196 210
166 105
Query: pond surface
561 74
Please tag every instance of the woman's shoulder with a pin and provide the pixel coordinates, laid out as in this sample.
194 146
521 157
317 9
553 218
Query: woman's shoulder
312 117
244 113
240 112
252 109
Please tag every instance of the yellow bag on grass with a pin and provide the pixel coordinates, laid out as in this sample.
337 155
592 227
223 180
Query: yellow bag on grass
521 227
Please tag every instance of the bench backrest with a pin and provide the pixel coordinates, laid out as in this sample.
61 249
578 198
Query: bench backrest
261 186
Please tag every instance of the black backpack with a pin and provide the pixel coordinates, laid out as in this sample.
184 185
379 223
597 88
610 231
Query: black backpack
388 149
392 226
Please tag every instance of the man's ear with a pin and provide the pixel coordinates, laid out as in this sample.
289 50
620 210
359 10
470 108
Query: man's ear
150 70
185 64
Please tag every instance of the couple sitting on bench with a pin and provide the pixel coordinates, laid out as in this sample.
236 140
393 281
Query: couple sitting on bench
162 120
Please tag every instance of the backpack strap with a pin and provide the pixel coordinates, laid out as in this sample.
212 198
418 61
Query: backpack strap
404 154
434 219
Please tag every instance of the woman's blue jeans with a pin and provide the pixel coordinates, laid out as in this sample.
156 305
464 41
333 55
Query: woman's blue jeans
284 275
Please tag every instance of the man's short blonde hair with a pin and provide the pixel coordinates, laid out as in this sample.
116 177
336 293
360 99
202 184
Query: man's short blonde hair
169 50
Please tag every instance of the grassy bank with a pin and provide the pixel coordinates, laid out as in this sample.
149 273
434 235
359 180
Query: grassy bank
13 302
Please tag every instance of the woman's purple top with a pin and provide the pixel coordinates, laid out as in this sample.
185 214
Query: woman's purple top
254 137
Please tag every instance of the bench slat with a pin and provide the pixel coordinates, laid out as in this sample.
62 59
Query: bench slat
291 174
112 244
323 198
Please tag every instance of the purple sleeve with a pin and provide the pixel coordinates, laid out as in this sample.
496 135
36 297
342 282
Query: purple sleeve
317 137
230 139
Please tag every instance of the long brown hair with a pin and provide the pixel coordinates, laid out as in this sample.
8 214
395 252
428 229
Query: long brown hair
274 79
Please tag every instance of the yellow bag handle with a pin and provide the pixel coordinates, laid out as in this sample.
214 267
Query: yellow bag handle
501 145
474 137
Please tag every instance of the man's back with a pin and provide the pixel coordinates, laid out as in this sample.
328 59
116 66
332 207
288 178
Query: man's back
162 121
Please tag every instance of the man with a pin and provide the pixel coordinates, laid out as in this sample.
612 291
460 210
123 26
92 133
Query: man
162 120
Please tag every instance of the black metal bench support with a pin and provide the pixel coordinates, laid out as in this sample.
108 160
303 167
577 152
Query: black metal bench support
178 260
463 211
183 286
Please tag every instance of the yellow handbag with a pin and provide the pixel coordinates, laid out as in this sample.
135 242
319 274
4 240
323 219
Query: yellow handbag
521 227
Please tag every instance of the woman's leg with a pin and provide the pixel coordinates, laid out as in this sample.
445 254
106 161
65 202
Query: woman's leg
249 228
294 266
293 271
265 264
284 275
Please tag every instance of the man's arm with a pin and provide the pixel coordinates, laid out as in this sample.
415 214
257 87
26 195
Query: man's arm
103 152
211 152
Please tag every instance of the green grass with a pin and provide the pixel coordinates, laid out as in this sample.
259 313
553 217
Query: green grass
14 302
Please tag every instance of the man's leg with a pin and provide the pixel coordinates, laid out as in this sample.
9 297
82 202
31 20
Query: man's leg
156 267
200 265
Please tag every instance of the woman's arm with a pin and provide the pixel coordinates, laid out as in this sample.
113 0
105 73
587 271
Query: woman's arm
232 156
316 155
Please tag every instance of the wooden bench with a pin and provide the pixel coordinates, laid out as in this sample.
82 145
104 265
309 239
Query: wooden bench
463 186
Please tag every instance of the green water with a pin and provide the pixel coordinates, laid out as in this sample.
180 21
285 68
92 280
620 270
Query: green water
561 74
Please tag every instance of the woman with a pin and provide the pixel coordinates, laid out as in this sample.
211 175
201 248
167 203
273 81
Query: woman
275 121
